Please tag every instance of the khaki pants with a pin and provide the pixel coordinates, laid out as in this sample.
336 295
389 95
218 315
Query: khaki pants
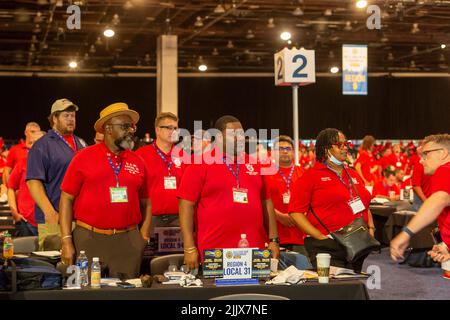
49 236
120 253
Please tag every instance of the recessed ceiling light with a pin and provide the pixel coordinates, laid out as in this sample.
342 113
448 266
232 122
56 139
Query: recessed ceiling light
285 35
73 64
443 46
109 33
361 4
203 67
334 69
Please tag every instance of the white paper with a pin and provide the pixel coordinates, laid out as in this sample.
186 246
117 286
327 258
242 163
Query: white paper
47 254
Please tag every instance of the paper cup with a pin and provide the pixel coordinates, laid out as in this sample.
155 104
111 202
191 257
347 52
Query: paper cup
274 265
446 269
323 267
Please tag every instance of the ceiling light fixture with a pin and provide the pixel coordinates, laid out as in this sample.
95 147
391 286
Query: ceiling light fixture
230 44
250 34
270 23
328 12
73 64
298 12
361 4
219 9
334 69
109 33
348 26
285 36
443 46
198 22
203 67
415 28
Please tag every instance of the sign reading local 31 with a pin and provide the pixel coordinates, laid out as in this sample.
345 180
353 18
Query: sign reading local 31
295 66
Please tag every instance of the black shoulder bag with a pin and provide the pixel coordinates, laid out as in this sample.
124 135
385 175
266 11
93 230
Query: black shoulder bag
355 237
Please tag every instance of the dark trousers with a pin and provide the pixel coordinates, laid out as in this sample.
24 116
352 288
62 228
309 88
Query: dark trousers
25 229
120 254
337 252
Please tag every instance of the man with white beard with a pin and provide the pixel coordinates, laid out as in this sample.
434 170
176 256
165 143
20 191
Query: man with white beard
106 191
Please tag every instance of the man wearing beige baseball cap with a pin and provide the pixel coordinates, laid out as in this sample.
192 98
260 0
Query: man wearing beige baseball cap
106 191
47 163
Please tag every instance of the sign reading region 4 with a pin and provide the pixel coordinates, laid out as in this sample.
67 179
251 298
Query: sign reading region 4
295 66
354 69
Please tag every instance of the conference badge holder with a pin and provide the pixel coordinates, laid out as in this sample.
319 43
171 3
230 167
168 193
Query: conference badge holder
240 195
170 183
286 198
357 205
118 194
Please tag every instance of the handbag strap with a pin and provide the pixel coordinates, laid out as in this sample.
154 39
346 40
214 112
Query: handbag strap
320 221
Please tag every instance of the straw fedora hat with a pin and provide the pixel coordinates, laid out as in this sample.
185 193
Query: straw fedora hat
114 110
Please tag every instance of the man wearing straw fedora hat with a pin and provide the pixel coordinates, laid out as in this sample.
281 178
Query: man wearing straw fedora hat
105 190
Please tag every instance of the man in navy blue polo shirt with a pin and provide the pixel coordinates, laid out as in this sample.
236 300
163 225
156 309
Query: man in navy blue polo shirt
47 163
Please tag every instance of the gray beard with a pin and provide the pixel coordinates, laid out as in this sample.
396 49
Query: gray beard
126 143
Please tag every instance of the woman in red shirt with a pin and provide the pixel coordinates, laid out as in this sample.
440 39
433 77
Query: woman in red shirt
366 165
331 190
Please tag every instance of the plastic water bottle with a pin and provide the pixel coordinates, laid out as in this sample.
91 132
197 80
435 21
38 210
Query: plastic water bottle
83 264
243 243
8 247
95 273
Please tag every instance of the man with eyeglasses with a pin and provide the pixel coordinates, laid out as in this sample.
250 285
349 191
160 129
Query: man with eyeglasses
280 186
106 192
436 161
165 164
47 163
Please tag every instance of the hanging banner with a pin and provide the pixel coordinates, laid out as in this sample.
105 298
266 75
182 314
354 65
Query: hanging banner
354 69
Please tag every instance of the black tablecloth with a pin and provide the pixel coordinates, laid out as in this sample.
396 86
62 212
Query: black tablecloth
345 290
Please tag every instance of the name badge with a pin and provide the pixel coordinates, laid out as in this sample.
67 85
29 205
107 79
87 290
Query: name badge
399 164
118 194
286 198
240 195
357 205
170 183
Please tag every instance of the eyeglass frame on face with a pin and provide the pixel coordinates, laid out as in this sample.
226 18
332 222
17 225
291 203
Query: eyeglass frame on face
424 154
341 144
125 126
285 149
171 128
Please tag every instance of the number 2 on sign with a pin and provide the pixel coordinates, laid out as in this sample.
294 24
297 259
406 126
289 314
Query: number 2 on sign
280 70
297 71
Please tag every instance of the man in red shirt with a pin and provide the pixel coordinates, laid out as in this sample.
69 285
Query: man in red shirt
421 185
22 204
280 188
387 188
366 165
105 190
165 165
225 198
20 151
397 159
436 161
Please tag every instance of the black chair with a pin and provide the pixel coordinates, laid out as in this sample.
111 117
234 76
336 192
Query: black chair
25 244
159 265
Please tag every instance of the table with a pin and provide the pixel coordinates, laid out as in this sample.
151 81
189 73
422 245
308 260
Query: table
342 290
380 214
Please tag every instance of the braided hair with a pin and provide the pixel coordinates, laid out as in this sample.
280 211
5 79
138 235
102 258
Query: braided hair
324 141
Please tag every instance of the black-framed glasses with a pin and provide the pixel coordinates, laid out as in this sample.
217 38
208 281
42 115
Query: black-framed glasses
170 128
286 149
425 153
125 126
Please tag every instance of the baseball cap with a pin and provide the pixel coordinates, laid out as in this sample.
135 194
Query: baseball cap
62 104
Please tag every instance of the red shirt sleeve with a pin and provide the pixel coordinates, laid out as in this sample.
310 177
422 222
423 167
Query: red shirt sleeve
14 178
11 158
302 194
417 175
441 179
192 182
73 178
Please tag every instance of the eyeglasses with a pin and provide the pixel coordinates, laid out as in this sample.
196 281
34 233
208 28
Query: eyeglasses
125 126
170 128
424 154
341 145
286 149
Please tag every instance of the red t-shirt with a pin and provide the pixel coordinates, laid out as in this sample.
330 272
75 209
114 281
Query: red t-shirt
441 182
89 178
221 221
382 189
398 162
164 201
367 161
420 179
71 141
16 153
277 187
321 189
16 181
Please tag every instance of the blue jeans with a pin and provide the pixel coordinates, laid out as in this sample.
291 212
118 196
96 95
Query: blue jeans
25 229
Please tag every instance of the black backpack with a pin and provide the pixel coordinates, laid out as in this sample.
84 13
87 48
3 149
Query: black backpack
20 274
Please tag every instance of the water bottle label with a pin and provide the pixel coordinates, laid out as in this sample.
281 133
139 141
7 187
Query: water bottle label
95 279
83 264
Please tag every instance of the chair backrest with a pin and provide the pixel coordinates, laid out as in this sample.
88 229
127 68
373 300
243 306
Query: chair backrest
250 296
25 244
160 264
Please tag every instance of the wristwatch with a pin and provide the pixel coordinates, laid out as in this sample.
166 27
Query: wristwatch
276 240
408 231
